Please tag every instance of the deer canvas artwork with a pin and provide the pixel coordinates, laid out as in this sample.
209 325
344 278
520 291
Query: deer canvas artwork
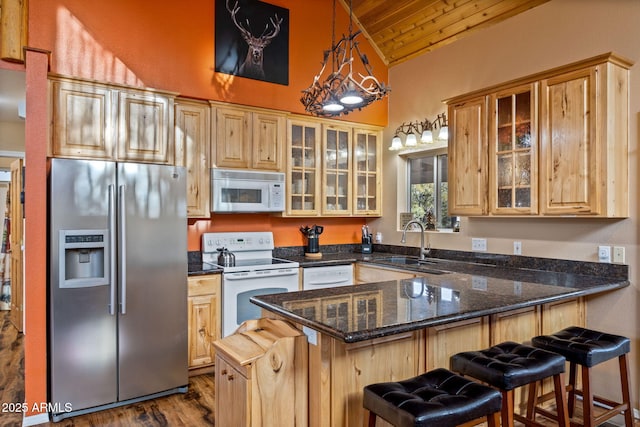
252 40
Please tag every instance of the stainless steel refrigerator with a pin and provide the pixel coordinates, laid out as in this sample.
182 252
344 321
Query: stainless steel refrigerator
117 284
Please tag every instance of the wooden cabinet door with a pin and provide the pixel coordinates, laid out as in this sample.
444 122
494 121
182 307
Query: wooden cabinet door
202 327
562 314
337 170
233 138
145 126
15 239
513 151
515 325
467 155
232 396
204 321
304 167
367 172
192 136
267 141
446 340
568 152
83 119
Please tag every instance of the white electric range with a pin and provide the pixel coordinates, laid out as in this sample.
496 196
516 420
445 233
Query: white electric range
256 272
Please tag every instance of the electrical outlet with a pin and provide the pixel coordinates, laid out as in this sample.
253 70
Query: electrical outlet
618 254
517 248
478 244
604 253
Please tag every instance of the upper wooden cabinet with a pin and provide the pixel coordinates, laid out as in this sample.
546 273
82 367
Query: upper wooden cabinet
367 172
248 138
513 151
557 144
98 121
82 117
192 135
467 157
333 168
145 125
584 141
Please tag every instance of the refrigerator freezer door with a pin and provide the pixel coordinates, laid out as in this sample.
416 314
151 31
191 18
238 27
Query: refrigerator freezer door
153 279
83 369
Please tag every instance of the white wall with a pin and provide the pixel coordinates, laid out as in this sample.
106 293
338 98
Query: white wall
550 35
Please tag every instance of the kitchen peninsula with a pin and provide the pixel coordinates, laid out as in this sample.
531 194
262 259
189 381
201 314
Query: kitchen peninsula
396 329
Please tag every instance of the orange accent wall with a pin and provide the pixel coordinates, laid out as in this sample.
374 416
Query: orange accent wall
286 231
166 45
170 45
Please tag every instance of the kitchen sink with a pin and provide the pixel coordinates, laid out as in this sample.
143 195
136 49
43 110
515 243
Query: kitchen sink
422 264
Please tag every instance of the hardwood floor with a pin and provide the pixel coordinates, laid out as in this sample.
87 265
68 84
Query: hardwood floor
194 408
11 370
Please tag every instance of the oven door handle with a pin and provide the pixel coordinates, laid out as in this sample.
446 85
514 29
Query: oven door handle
260 273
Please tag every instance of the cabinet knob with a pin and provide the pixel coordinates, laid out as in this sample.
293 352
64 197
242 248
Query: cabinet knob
230 377
223 372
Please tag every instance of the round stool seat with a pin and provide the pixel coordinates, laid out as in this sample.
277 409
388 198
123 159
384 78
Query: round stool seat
585 347
438 397
508 365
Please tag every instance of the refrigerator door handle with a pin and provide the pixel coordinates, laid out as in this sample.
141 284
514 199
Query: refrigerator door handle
123 248
112 250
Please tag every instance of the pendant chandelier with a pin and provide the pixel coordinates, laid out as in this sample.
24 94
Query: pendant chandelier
340 92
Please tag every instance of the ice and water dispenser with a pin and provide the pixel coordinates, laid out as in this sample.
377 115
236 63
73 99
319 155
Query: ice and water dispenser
84 258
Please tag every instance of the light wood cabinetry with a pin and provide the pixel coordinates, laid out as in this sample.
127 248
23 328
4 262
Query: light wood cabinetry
145 125
248 138
446 340
261 376
333 169
558 144
337 170
83 116
203 318
304 167
91 120
369 273
192 136
513 151
584 132
467 157
367 172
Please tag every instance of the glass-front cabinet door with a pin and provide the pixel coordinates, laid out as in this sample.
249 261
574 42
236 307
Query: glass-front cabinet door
303 186
366 170
336 191
513 144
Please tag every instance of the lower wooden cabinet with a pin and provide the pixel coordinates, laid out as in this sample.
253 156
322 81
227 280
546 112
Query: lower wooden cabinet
261 376
204 319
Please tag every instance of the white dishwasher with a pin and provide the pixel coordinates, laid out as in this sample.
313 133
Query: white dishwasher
327 276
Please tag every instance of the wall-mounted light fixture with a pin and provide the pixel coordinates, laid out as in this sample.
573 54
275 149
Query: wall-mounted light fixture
428 131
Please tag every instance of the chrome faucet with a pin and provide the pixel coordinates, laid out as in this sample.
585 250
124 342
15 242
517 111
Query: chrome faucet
423 251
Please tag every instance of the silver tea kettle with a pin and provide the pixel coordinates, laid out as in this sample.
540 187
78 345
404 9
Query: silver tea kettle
226 258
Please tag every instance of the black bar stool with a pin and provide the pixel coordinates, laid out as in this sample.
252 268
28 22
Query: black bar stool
510 365
588 348
436 398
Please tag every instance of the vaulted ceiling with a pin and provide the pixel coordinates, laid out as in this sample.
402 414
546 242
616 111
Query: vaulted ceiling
403 29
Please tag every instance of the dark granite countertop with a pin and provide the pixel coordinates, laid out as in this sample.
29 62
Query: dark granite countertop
460 290
198 268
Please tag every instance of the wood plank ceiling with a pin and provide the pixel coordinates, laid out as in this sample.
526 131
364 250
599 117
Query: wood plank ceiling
403 29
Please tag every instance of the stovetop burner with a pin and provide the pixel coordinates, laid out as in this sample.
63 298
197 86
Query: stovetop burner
253 251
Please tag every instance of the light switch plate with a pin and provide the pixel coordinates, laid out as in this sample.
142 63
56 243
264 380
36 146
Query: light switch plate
478 244
618 254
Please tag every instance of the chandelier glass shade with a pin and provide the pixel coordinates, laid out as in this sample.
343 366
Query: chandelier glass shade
426 129
335 89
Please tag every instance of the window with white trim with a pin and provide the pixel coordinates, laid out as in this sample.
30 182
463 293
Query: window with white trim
427 187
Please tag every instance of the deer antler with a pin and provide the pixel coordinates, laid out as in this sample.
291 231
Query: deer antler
233 11
276 29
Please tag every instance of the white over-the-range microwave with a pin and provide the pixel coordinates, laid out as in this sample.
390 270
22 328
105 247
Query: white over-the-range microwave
246 191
